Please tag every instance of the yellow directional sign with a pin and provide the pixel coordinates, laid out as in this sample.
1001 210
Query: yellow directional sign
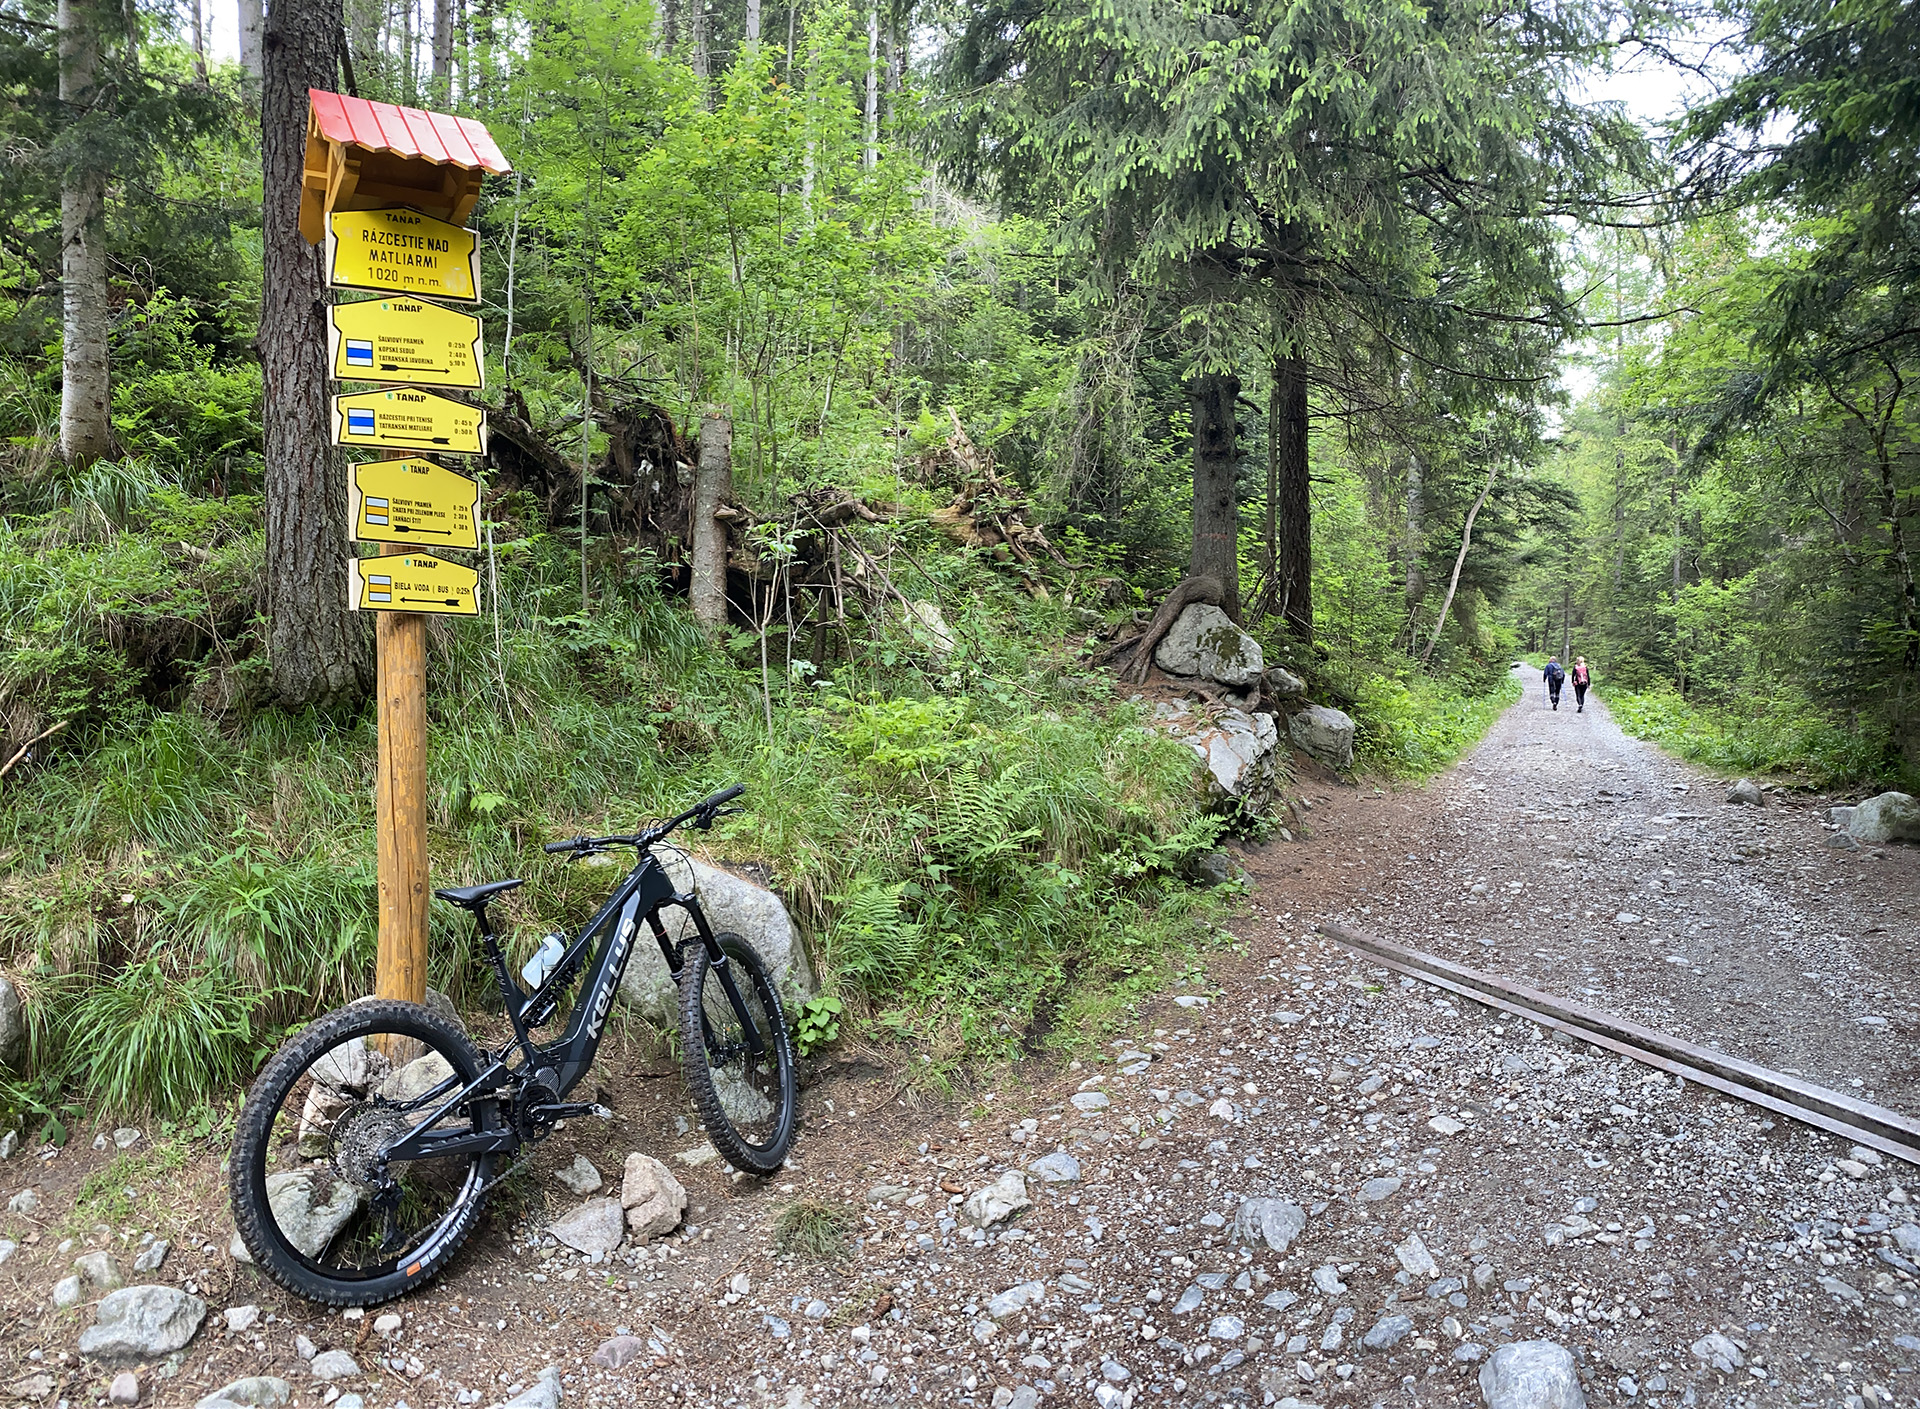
402 252
413 501
404 340
405 419
412 582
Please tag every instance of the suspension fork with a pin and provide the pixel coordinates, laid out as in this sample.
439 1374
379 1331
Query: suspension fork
717 960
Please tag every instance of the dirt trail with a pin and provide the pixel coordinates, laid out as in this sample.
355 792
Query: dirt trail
1462 1181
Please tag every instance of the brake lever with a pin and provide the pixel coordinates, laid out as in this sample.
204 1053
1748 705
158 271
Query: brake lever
584 852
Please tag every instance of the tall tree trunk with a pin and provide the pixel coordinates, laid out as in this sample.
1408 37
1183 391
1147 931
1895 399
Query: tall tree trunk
753 24
442 53
712 482
317 650
1459 561
702 62
365 20
197 18
872 115
1416 583
1216 506
1296 508
86 425
252 19
1270 531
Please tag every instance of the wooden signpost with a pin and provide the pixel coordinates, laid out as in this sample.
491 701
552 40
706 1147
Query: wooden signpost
389 190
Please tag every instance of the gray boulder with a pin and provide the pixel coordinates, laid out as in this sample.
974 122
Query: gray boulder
1277 1222
142 1323
1325 733
416 1078
1282 683
1888 817
13 1026
1746 793
1204 643
1239 751
731 904
1531 1375
653 1199
332 1365
305 1219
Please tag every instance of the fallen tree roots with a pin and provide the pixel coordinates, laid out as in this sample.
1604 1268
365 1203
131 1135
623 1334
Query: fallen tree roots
1134 655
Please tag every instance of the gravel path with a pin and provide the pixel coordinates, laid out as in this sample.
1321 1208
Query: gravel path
1437 1181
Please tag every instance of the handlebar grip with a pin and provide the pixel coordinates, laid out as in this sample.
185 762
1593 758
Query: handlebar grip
724 796
554 848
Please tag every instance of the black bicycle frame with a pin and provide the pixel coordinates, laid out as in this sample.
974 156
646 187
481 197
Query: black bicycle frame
562 1063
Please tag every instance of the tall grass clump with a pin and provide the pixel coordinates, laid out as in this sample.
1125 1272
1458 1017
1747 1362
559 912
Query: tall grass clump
1415 727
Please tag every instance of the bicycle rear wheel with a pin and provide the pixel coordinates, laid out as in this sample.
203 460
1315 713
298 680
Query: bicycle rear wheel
747 1100
322 1209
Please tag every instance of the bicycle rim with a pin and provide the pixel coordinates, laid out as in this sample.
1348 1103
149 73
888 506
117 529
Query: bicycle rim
331 1206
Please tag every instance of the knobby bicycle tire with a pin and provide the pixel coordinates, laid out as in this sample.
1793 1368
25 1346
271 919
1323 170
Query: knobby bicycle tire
253 1215
753 981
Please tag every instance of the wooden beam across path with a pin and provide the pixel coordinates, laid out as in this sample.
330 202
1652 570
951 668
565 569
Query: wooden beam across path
1876 1127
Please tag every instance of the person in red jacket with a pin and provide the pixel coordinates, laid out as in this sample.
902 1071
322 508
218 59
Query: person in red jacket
1582 678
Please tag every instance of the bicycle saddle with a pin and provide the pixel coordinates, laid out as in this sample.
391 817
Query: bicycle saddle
473 897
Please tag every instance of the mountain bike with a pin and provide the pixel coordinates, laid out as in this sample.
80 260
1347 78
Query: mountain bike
368 1144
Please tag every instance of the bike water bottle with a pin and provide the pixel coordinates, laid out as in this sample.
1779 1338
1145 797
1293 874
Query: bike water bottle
543 960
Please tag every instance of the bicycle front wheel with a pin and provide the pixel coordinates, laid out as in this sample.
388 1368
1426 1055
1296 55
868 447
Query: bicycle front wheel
747 1098
320 1203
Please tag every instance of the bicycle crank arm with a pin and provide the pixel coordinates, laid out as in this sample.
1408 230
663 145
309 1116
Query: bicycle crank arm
421 1143
567 1110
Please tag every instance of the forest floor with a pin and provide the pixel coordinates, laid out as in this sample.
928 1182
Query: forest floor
1467 1180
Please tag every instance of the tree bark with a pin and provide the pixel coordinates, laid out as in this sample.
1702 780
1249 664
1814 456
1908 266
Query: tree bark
86 424
317 649
1416 585
713 482
1216 508
1296 509
198 19
1459 561
871 125
252 20
753 23
443 52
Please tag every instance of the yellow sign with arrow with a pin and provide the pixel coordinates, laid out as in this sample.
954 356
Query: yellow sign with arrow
412 582
404 340
405 419
400 251
414 501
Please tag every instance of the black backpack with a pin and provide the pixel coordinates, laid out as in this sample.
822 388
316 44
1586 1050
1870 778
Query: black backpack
1554 673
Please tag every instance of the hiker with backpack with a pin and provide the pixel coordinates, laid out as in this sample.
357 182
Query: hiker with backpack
1555 678
1582 680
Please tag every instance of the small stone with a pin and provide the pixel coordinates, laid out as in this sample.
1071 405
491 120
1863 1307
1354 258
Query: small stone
653 1199
333 1365
698 1155
125 1388
68 1293
1189 1301
304 1347
242 1318
1091 1100
1277 1222
1226 1328
1000 1200
7 1249
237 1248
1387 1332
618 1353
1416 1259
1016 1298
1531 1375
595 1227
1374 1190
1221 1109
1719 1352
1746 793
253 1392
580 1177
25 1202
543 1393
152 1255
101 1272
388 1326
778 1328
125 1138
1056 1168
1446 1125
1327 1279
142 1323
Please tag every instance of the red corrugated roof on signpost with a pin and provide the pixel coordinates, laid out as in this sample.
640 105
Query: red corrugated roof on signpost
363 155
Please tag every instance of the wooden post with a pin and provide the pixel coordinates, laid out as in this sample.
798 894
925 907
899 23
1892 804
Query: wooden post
400 643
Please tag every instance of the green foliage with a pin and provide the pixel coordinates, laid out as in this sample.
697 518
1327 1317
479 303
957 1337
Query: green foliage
817 1023
1415 727
1765 736
813 1229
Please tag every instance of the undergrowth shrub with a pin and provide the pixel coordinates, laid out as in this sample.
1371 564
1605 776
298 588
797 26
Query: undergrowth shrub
1413 728
1755 735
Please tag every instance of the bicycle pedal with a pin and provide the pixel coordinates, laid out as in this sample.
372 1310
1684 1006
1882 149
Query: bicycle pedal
600 1112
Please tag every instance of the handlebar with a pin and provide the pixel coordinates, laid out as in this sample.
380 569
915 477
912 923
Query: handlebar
701 814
